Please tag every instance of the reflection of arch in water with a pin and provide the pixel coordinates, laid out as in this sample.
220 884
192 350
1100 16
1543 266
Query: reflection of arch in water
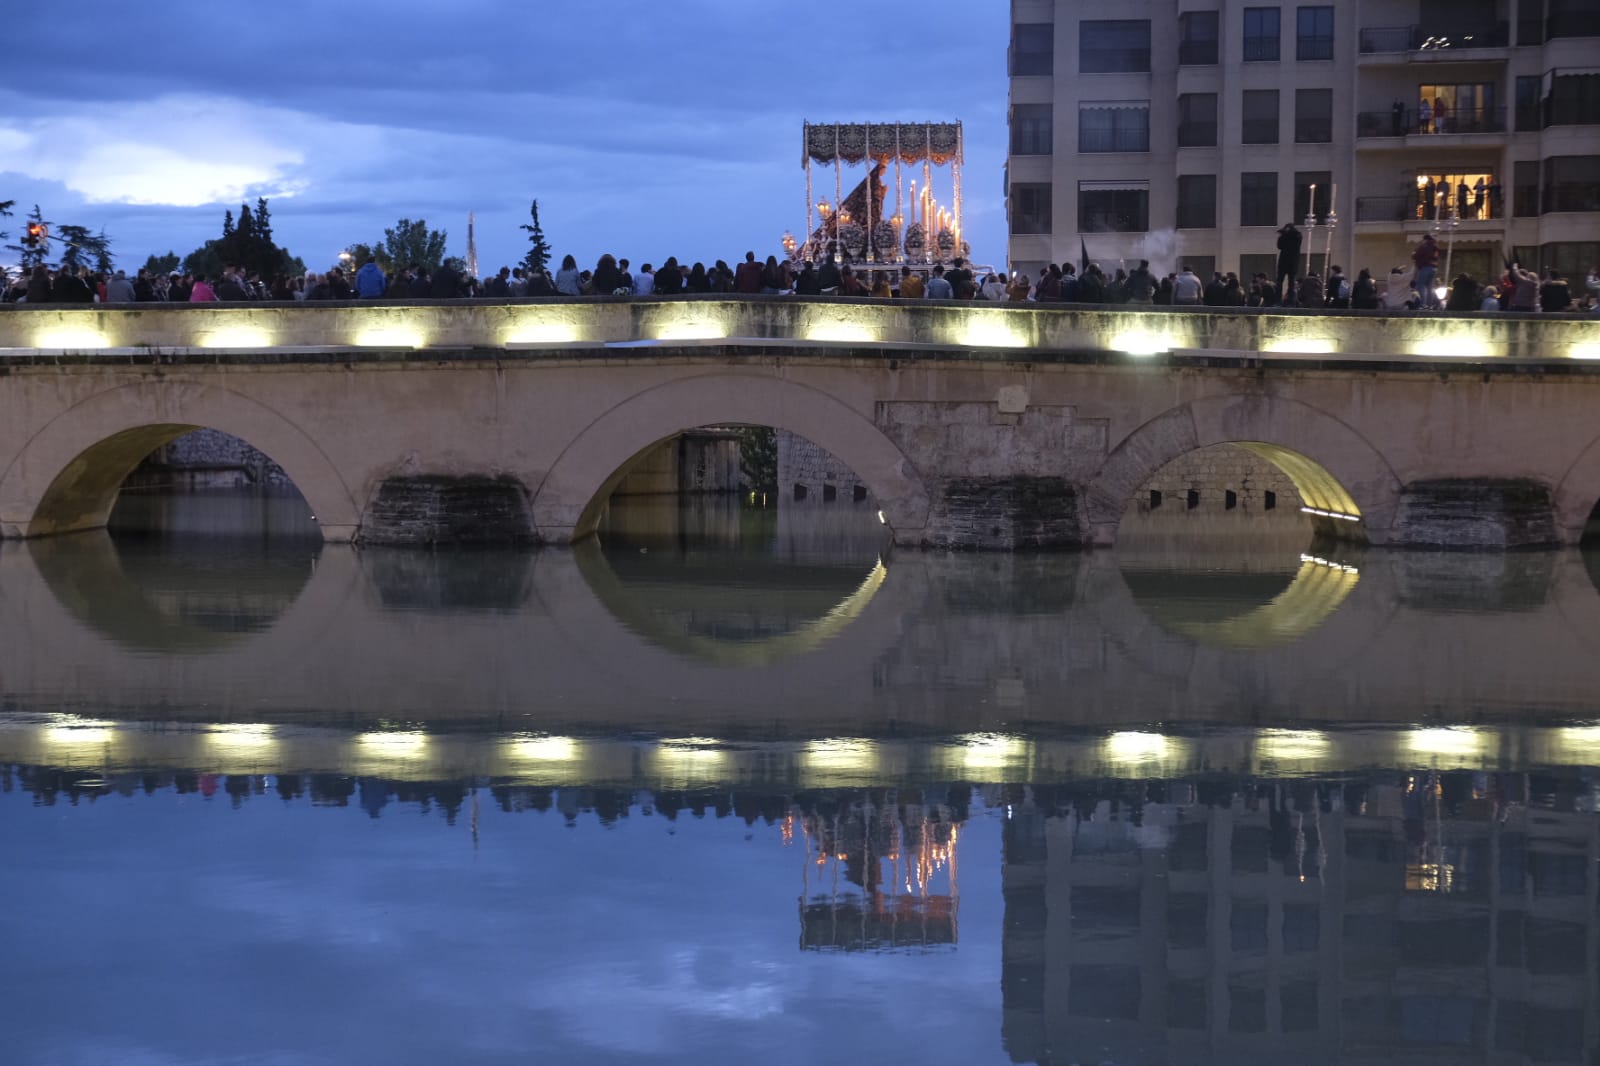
1351 479
68 475
1304 603
568 504
634 614
211 596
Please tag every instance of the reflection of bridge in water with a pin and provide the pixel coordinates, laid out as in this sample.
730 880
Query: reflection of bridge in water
565 643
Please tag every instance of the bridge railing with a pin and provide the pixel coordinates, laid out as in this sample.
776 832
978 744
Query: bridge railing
533 329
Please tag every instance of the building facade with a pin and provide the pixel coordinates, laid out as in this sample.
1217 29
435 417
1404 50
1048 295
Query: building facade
1191 130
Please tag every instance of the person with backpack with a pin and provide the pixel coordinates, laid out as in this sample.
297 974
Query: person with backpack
1338 289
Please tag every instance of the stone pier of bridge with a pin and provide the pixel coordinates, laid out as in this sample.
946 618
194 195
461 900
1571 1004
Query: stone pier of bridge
983 427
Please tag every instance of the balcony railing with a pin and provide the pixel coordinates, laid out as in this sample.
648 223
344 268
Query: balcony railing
1413 207
1197 135
1197 53
1406 121
1381 39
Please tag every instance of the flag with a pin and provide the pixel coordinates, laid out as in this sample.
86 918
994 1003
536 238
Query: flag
1083 260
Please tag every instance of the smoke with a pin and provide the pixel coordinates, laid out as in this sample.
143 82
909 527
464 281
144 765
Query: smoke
1163 248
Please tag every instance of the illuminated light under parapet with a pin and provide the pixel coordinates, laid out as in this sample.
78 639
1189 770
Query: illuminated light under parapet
1453 742
536 333
70 338
1329 514
1301 345
692 329
236 337
1584 351
989 331
1141 342
390 337
991 751
545 749
1457 345
841 333
842 754
1293 745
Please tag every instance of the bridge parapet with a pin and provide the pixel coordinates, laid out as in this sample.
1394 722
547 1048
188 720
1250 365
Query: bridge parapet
509 327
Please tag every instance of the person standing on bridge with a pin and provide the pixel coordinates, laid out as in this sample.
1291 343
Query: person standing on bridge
370 281
1289 240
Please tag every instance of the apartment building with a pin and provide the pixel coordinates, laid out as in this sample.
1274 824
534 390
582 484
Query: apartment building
1193 129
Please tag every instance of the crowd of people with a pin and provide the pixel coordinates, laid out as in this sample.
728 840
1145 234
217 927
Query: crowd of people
1408 286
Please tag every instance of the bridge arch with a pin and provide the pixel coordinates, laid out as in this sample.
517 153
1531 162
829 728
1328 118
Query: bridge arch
1578 493
568 504
1334 468
66 478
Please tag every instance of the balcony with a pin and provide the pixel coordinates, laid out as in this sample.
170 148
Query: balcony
1409 210
1421 122
1439 42
1197 53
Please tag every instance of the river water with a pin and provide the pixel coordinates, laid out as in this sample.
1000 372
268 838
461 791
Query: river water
742 785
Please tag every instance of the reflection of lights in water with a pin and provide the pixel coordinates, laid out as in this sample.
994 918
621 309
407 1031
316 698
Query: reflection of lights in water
693 330
1316 561
1461 741
1137 747
882 521
395 743
991 751
1330 514
1578 741
842 753
1287 745
242 736
694 754
544 749
70 730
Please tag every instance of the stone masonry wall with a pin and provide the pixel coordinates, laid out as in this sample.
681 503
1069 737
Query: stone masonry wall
213 450
1258 487
813 468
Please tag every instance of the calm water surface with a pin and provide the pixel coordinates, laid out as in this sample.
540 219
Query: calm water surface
737 785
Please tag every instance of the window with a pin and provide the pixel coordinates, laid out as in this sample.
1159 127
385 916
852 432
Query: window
1258 198
1571 183
1574 98
1525 188
1573 258
1033 48
1530 104
1261 34
1313 116
1197 201
1259 263
1197 120
1032 129
1303 181
1467 107
1114 47
1313 35
1570 18
1114 126
1113 207
1197 38
1259 124
1302 928
1030 207
1202 265
1297 1006
1530 22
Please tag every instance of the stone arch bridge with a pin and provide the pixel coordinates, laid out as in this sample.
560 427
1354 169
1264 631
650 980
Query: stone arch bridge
975 427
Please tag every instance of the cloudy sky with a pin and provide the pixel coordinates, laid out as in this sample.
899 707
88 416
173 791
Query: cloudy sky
643 129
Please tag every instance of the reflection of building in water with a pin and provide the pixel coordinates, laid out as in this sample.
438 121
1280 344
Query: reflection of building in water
893 854
1325 922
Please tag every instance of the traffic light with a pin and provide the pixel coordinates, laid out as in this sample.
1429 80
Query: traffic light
35 235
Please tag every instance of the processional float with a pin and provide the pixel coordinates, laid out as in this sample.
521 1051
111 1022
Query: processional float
857 226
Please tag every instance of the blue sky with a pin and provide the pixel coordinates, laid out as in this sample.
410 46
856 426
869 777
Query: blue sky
645 130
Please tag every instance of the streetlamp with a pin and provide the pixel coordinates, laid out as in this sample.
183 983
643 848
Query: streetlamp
1311 227
1446 224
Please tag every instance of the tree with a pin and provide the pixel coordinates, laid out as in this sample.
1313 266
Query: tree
360 253
162 264
5 212
413 242
79 247
758 458
247 243
538 257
